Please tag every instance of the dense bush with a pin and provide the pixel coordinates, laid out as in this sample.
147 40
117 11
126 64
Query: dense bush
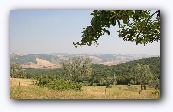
59 84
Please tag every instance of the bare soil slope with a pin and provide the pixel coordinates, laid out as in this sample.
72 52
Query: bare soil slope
41 64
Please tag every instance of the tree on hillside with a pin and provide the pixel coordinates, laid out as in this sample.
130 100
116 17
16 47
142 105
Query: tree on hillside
86 69
140 26
16 70
77 67
155 82
144 75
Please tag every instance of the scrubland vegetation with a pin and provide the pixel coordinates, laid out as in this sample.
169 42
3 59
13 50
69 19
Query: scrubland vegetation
79 79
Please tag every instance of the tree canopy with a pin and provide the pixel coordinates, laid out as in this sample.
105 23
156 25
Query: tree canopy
16 70
140 26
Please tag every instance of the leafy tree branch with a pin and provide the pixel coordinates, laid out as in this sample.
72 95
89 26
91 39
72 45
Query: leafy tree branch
139 26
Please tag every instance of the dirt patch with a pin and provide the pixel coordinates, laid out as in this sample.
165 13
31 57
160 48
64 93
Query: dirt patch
41 64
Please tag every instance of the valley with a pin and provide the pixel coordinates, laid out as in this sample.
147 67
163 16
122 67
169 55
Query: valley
54 60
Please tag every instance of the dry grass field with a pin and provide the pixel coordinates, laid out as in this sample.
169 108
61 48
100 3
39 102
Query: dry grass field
25 89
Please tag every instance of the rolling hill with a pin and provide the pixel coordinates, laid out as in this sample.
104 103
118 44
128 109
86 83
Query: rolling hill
54 60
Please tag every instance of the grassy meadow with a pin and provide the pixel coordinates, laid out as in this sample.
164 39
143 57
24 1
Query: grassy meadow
25 89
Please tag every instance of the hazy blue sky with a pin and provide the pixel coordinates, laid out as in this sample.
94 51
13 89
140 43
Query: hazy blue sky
54 31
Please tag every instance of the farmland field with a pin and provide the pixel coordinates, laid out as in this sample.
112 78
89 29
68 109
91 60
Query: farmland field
25 89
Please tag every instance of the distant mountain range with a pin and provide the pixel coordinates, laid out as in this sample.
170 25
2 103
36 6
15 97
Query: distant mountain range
54 60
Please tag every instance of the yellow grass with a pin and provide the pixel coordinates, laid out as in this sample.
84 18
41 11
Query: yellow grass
26 90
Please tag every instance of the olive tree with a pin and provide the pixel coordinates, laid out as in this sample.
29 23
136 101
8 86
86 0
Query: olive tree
77 67
144 75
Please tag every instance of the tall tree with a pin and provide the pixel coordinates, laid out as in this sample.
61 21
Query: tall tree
140 26
144 75
87 70
77 67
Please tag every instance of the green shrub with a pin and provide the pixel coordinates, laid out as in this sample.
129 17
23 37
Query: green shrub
59 84
94 84
86 83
